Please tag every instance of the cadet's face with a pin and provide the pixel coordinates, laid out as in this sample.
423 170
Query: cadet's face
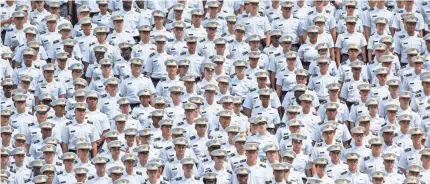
136 68
331 113
242 178
4 160
99 55
152 175
323 67
41 115
180 149
426 85
377 180
101 37
19 159
352 164
251 155
19 143
334 155
328 135
6 136
158 21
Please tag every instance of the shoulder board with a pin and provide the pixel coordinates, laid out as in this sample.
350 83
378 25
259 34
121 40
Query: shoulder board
168 147
178 178
91 177
192 137
90 122
347 80
28 180
402 36
320 123
224 34
366 158
183 53
327 11
170 40
311 12
56 41
373 85
399 171
230 41
246 15
343 173
139 173
408 149
68 123
151 54
60 173
315 75
276 18
277 54
59 163
400 11
30 124
371 9
385 98
202 40
197 178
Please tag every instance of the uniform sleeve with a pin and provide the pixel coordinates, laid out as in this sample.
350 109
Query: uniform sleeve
150 85
366 19
7 38
421 25
267 26
332 22
279 79
94 135
311 83
363 41
65 135
159 89
105 123
148 66
402 160
248 101
397 47
339 41
395 22
344 91
61 90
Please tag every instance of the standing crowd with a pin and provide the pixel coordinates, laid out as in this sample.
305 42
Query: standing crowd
215 91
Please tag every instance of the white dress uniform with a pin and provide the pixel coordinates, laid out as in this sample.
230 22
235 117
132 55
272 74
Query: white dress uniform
334 170
111 53
371 164
397 20
260 173
379 92
116 38
131 20
155 65
55 88
330 23
122 69
17 118
163 86
345 39
73 131
372 14
236 48
410 156
356 178
341 24
176 47
411 82
102 20
403 42
291 26
97 179
142 51
141 113
57 46
14 37
99 119
350 90
221 23
6 12
132 85
307 52
64 177
395 177
319 82
241 87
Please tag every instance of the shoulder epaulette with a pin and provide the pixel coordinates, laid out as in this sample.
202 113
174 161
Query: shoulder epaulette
152 54
91 177
90 122
366 158
311 12
343 173
56 41
178 178
408 149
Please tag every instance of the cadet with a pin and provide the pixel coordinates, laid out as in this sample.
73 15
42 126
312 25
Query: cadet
130 173
256 23
373 13
93 114
159 29
16 36
288 23
77 128
207 78
421 100
318 82
392 175
58 45
206 46
213 16
350 36
264 109
380 89
120 34
145 47
28 68
240 84
67 174
411 80
172 79
20 171
188 173
102 18
409 38
196 28
350 92
121 69
377 177
373 162
242 175
49 85
173 168
194 60
81 174
112 52
238 45
136 82
22 114
177 45
410 155
153 173
258 172
155 67
335 165
353 172
279 172
100 175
